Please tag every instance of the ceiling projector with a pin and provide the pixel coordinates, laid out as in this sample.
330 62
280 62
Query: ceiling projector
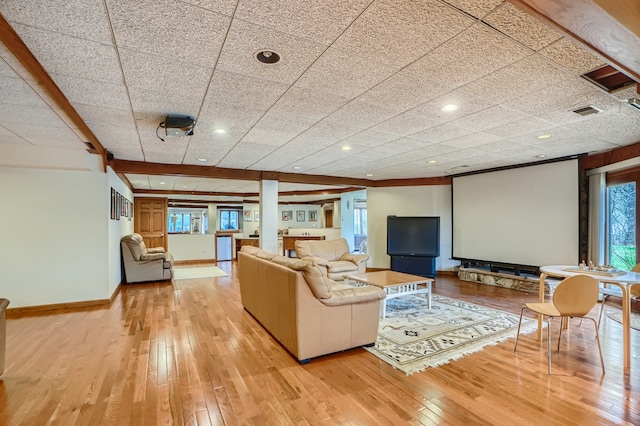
178 126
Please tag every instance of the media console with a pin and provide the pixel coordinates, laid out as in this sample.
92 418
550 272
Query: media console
424 266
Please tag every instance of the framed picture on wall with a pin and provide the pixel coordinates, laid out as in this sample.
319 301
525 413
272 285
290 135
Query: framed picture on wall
113 203
313 215
300 216
256 215
118 201
247 216
287 215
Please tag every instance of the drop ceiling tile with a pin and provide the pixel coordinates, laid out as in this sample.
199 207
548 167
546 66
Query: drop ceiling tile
441 133
228 117
398 33
476 8
245 154
9 137
309 103
526 76
74 57
343 74
85 19
472 140
403 91
173 78
522 27
277 129
115 136
529 125
128 153
15 91
239 90
165 157
324 133
98 115
169 29
158 103
90 92
18 115
370 138
470 55
405 124
489 118
466 102
225 7
567 54
321 21
245 40
212 151
62 137
278 161
5 70
138 181
360 115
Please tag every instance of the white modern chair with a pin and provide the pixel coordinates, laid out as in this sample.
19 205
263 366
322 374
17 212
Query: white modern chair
574 297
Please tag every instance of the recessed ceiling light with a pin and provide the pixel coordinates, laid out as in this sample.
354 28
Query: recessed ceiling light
296 167
220 131
346 148
203 160
541 156
268 57
545 136
432 162
369 174
450 107
232 186
162 183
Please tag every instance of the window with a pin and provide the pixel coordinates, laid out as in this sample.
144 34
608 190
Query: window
179 222
622 238
229 219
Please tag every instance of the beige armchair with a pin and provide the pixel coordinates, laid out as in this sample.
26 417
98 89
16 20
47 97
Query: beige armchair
143 264
334 254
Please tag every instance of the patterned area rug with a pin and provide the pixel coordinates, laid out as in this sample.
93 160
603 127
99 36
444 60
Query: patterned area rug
635 319
413 338
200 272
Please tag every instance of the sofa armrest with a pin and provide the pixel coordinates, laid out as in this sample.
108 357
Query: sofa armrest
155 250
152 256
350 296
317 260
355 258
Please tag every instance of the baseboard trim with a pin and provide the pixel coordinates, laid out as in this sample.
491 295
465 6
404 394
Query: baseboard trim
451 273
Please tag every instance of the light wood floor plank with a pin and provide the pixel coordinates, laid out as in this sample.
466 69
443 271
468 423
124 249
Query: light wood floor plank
188 353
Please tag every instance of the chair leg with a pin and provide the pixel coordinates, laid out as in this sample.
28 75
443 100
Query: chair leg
562 320
515 348
595 326
604 299
549 343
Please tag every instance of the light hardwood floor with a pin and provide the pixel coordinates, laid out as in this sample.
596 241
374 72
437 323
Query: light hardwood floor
188 353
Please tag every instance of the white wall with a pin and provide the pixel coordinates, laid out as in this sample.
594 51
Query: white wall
116 230
250 226
58 245
431 200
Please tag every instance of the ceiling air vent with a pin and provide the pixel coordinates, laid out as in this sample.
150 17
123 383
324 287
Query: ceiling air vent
588 110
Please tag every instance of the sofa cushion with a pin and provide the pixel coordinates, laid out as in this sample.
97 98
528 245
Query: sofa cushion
315 275
257 252
135 245
327 249
342 266
152 256
349 296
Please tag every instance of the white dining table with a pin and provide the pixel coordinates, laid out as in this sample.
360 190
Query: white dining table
624 281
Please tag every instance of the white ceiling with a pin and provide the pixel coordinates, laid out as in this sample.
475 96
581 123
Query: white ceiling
371 75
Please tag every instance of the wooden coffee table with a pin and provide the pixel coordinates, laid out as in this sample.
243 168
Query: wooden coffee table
394 284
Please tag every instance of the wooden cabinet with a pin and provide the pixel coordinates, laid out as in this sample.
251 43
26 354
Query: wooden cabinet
246 242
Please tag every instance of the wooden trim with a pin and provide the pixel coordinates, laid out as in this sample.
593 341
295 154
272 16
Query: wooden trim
41 309
16 46
610 157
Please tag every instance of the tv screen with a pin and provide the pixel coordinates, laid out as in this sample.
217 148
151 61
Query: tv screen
413 236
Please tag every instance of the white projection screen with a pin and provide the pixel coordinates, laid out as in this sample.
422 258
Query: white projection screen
522 216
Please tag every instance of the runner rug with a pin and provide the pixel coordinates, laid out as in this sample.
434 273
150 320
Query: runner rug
413 338
199 272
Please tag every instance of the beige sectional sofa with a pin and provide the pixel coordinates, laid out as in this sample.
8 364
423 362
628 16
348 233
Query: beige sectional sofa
304 310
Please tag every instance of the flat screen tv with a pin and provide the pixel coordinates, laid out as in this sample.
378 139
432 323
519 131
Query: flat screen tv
413 236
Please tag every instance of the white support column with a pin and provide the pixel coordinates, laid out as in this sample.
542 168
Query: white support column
269 216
